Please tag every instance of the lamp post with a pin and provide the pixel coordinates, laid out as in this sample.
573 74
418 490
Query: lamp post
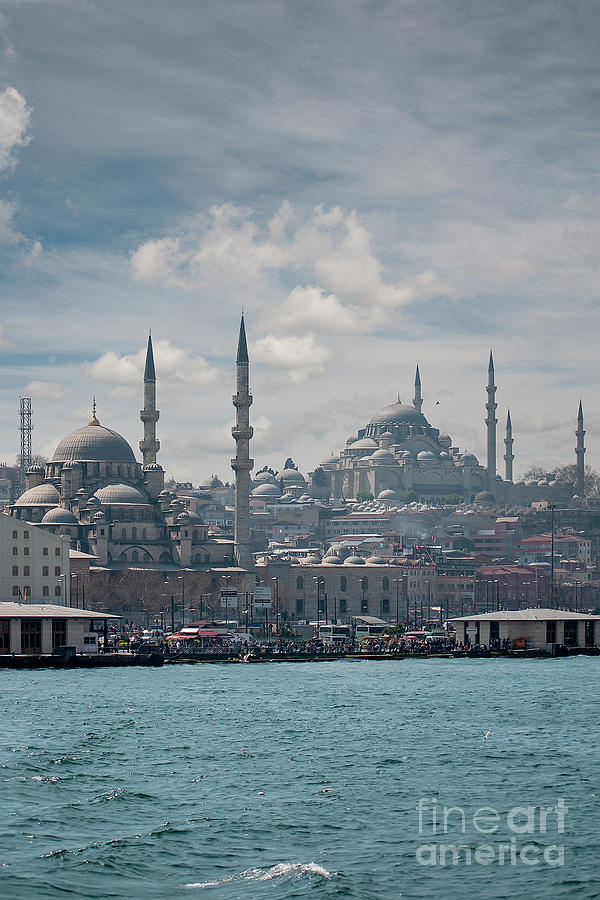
397 581
63 578
552 508
318 583
182 579
226 579
276 580
76 577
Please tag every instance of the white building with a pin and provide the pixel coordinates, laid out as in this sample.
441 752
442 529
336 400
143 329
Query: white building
34 563
530 629
32 628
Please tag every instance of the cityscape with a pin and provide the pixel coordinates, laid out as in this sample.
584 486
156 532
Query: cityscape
299 449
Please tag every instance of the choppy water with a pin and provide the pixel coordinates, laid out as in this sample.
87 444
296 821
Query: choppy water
292 780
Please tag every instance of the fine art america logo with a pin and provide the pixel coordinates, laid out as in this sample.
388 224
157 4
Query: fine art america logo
521 835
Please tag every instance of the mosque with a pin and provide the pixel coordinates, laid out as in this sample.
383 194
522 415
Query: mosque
113 507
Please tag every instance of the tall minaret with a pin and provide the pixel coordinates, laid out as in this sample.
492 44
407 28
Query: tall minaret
418 400
491 422
242 464
509 455
580 452
149 414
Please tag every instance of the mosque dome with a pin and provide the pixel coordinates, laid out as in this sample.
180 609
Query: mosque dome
153 467
121 493
332 560
364 444
426 456
266 490
398 414
332 459
444 455
354 561
377 561
312 560
59 516
388 495
264 478
384 456
469 459
291 477
35 470
183 516
96 443
386 436
212 482
484 497
41 495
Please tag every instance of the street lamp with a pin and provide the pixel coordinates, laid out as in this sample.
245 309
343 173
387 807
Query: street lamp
318 583
275 578
397 581
182 579
552 508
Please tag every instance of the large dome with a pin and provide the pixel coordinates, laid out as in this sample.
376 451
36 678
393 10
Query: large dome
96 443
398 414
121 493
41 495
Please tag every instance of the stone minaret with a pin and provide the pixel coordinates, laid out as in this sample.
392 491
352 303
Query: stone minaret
491 422
580 453
509 455
149 414
418 400
242 464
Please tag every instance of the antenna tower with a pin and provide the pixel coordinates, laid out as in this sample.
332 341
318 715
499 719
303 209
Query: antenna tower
25 427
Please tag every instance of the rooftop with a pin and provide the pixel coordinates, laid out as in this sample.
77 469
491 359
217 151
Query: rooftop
526 615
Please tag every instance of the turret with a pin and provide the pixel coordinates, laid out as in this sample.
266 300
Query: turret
242 464
580 453
491 421
418 399
508 456
149 415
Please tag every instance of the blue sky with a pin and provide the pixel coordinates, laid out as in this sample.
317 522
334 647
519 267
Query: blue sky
377 183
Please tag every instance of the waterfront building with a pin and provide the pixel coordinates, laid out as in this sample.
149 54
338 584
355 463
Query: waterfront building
530 629
34 563
34 628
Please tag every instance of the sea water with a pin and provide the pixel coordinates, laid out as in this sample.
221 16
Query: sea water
285 780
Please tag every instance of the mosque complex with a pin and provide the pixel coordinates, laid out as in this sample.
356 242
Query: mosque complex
117 509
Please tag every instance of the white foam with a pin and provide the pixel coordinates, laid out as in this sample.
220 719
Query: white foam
281 870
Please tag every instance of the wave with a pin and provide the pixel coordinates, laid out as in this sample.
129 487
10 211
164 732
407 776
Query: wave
281 870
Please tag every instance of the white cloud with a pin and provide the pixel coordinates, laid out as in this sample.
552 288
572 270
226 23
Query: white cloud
14 125
44 390
298 356
174 365
307 307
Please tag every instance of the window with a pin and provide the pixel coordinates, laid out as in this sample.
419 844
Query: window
15 591
385 605
134 534
386 583
15 535
25 535
59 633
135 556
364 583
31 635
45 591
123 533
571 633
45 551
57 551
102 532
342 605
57 571
45 571
15 551
299 606
364 605
25 570
15 570
144 534
550 632
343 583
4 635
57 590
25 551
299 583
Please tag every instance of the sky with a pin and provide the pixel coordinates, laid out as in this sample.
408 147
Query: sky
377 184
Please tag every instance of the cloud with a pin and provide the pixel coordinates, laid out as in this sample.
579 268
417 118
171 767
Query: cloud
14 125
299 357
44 390
307 307
174 365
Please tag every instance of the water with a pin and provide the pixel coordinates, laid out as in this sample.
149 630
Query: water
285 780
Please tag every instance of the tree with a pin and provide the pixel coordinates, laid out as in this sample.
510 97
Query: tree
289 464
319 479
453 500
364 495
534 473
411 496
567 476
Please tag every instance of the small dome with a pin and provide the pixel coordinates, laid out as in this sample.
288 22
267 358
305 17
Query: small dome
543 482
99 516
330 460
93 501
445 440
42 495
165 493
426 456
212 482
469 459
35 470
384 456
266 490
291 477
153 467
332 561
531 483
354 561
386 436
264 478
377 561
59 516
312 560
388 495
121 494
364 444
484 497
183 516
444 455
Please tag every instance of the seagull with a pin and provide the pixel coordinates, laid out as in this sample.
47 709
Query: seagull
486 734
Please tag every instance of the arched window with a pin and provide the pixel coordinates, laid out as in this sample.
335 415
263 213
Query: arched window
45 571
134 533
57 590
135 556
45 591
299 583
15 590
123 533
57 571
15 570
386 583
144 534
25 570
343 583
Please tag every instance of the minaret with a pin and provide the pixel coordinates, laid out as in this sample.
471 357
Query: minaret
509 455
242 464
491 422
149 414
418 400
580 452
